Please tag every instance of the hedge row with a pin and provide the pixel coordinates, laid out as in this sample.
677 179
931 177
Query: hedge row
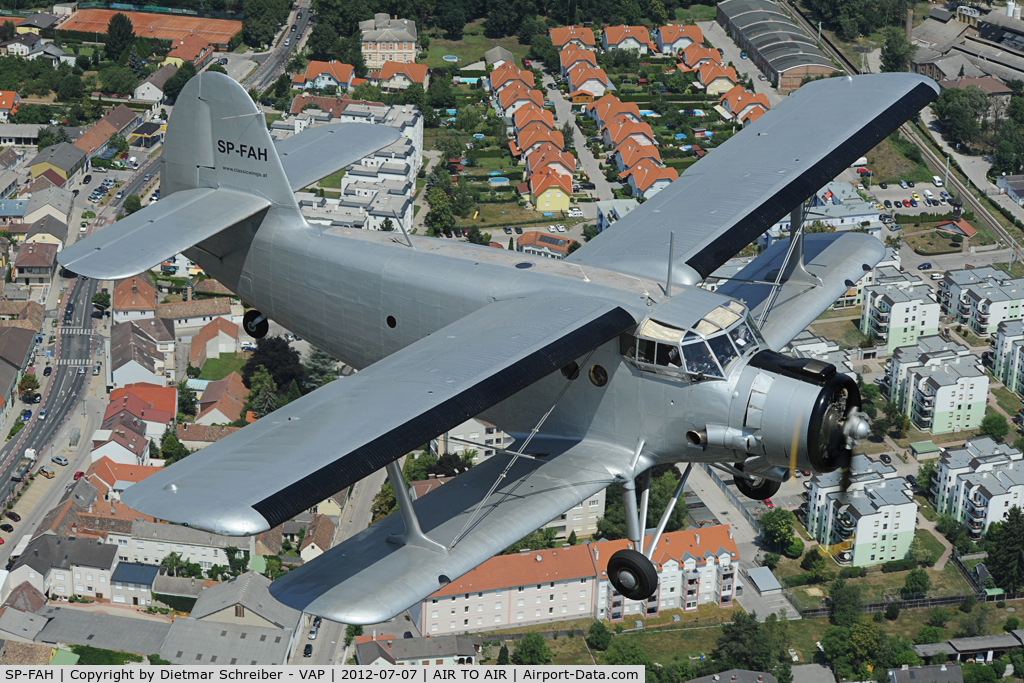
903 565
486 153
475 73
178 603
853 572
798 580
671 97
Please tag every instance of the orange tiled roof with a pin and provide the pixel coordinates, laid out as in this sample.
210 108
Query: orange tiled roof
510 72
156 396
736 99
965 227
560 564
538 134
701 544
573 54
752 115
321 532
547 154
208 332
560 37
135 293
632 151
609 107
531 113
645 173
342 73
228 397
581 74
622 127
417 73
204 433
8 99
617 34
694 53
519 91
95 137
673 32
189 47
547 178
709 72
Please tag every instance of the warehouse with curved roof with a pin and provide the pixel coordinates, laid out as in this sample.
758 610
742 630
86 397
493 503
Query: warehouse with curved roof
783 53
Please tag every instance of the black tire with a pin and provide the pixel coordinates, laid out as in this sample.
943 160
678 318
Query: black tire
253 329
632 574
759 489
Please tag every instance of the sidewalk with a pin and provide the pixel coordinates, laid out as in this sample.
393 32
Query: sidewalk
923 523
746 544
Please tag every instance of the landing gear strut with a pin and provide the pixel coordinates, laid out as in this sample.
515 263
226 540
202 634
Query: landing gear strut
631 571
255 324
757 488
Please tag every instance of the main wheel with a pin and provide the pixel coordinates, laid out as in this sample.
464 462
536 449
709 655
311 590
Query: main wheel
758 489
632 574
256 330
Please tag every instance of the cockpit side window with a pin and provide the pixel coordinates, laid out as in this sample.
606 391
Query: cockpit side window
699 360
723 350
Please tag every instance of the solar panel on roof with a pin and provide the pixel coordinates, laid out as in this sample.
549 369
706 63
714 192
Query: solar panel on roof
551 240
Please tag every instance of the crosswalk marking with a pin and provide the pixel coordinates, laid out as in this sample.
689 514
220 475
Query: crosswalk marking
72 361
76 330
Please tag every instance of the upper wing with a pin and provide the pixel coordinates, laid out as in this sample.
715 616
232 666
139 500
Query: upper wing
367 580
320 151
739 190
140 241
310 449
837 260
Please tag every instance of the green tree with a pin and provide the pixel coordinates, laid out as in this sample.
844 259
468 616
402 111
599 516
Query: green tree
28 384
120 34
118 80
532 650
626 652
613 525
503 655
994 425
171 563
186 398
501 19
939 616
217 68
351 631
135 61
101 301
453 22
656 10
1005 545
440 94
572 540
777 526
383 503
265 402
321 368
323 42
892 611
527 30
598 636
174 84
70 88
929 634
897 51
569 132
387 226
171 446
132 203
846 601
440 217
1012 624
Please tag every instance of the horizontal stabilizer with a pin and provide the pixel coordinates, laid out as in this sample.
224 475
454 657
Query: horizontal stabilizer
140 241
318 152
367 580
838 260
310 449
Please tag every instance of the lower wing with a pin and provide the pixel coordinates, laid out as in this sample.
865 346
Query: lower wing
297 456
367 580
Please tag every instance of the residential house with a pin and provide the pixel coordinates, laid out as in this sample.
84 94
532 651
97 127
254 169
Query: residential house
318 538
385 650
110 478
751 115
507 75
195 437
630 152
977 483
190 48
1013 187
608 108
50 201
20 45
216 337
196 313
939 385
35 264
696 55
134 357
998 93
132 584
150 543
532 114
161 333
533 137
738 102
938 673
646 178
587 79
47 230
611 210
394 76
716 79
151 89
617 131
573 56
866 521
512 98
321 75
10 158
153 404
674 38
624 37
36 23
547 155
222 401
898 315
498 56
12 213
190 642
550 190
51 53
134 299
103 631
121 446
543 244
1008 359
118 121
579 36
738 676
388 40
61 567
64 158
16 346
331 506
8 104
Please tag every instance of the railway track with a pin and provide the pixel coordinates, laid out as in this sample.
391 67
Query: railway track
936 164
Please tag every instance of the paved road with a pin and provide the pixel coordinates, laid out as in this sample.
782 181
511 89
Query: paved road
718 37
263 76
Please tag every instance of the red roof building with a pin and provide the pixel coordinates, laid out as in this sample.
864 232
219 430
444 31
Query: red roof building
325 74
618 131
673 38
696 55
647 178
573 55
630 152
572 35
547 155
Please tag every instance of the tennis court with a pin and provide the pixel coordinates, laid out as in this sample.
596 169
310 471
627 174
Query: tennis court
165 26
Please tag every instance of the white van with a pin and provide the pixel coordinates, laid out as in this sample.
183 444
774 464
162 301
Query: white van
928 194
936 181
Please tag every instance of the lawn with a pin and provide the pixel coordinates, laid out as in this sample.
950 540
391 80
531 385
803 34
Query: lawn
333 180
271 118
472 47
1015 269
846 332
931 243
925 506
497 215
889 166
849 312
219 368
930 543
877 584
696 13
1006 399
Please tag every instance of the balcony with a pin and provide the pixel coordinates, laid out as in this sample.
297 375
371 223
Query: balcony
844 532
846 521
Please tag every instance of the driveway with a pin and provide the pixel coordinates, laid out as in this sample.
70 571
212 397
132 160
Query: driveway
718 37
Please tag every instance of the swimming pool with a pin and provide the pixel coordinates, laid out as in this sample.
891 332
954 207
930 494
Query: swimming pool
450 58
646 112
498 181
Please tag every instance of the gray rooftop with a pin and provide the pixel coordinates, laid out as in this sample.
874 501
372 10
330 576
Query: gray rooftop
419 648
942 673
57 197
252 591
174 533
50 551
15 623
1001 641
929 348
130 572
383 28
190 641
48 225
763 579
62 155
498 54
736 676
774 34
79 627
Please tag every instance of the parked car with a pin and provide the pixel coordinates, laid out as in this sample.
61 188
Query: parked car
78 475
519 231
887 204
903 184
26 415
13 516
222 61
884 457
884 186
913 203
60 460
86 180
925 266
312 632
47 472
308 650
743 55
552 228
6 527
588 186
768 503
910 183
508 231
936 276
912 480
560 227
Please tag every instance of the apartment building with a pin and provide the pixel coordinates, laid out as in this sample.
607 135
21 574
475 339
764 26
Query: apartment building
482 434
895 315
387 39
60 567
1008 357
978 483
873 521
939 384
151 542
695 566
990 303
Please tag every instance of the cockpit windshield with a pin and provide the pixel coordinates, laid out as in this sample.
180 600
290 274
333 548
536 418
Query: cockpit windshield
708 350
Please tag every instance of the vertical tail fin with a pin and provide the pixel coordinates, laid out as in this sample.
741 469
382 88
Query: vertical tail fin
217 137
